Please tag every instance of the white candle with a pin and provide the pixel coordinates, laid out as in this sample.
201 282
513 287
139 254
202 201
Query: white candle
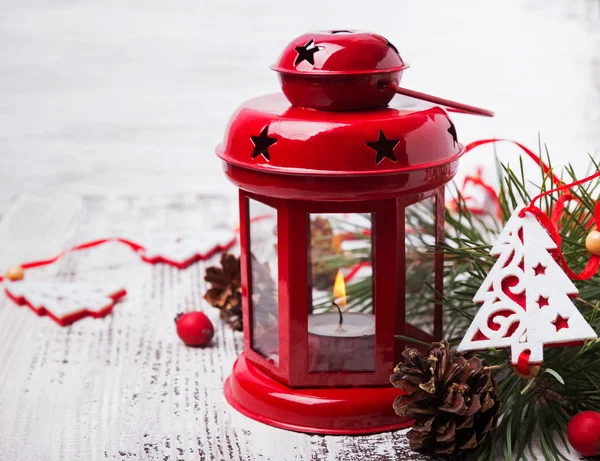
349 348
355 324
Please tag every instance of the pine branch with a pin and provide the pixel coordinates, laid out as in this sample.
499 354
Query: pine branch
537 409
544 409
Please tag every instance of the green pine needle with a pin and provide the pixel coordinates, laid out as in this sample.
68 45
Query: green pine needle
535 410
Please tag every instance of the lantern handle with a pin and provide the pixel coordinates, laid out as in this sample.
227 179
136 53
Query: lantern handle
451 105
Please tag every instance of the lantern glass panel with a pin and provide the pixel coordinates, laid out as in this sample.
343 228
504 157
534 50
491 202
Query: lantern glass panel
420 264
264 277
341 316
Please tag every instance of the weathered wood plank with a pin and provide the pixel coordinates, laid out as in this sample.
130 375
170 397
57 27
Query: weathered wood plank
124 387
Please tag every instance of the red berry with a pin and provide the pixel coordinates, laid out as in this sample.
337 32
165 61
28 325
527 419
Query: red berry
583 432
194 328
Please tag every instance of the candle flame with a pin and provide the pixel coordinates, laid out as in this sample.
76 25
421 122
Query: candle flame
339 289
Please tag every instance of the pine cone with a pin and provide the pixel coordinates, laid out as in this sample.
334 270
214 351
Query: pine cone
225 292
453 399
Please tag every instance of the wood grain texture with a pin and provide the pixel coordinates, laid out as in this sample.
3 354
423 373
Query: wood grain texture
124 387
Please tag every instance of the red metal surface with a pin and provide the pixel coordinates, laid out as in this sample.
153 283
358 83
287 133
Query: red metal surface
321 143
357 410
340 53
348 70
440 235
346 188
296 257
340 70
340 93
295 290
303 161
449 104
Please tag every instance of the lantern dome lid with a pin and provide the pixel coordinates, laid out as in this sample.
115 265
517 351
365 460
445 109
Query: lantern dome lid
269 135
339 52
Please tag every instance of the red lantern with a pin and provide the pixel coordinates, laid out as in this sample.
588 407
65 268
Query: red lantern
338 152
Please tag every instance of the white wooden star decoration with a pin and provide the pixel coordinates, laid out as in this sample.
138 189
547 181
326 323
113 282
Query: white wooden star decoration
526 297
181 250
65 303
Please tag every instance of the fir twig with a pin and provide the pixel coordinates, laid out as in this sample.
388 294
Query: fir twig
538 409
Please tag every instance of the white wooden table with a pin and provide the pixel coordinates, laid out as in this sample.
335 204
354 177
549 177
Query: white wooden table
124 387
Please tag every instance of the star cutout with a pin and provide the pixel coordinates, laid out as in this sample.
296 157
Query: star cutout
452 131
542 302
560 322
307 52
384 148
391 45
539 269
262 144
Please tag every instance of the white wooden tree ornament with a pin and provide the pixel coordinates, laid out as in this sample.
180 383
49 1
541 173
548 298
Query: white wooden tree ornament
526 296
181 250
65 303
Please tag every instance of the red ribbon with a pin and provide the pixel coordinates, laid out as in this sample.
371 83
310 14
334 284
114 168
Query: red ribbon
477 180
94 243
354 270
545 168
550 224
523 363
45 262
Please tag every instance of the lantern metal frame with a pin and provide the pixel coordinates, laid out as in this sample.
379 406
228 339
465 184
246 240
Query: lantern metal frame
294 298
294 303
337 148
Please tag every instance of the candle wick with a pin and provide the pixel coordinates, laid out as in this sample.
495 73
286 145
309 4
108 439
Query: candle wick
339 327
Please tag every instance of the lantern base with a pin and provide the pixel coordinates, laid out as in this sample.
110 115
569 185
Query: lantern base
333 411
